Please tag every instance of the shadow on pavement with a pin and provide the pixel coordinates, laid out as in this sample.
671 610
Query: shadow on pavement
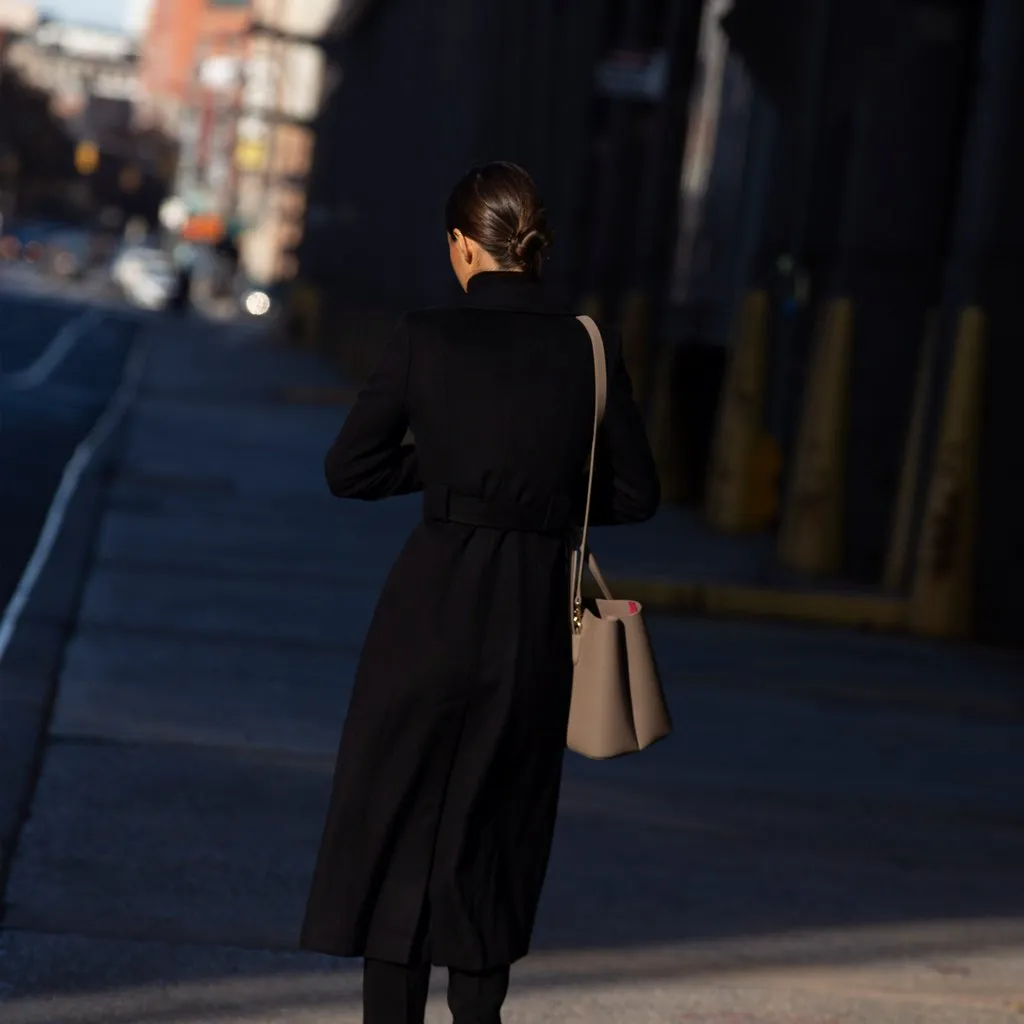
163 871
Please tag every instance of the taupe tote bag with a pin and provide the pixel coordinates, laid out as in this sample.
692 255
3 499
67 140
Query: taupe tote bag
618 706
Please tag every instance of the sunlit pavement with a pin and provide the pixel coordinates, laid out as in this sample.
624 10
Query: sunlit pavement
654 986
779 860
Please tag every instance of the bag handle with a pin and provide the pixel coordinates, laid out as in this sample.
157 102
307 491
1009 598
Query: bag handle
580 557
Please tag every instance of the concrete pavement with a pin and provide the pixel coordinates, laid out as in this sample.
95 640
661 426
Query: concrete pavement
782 860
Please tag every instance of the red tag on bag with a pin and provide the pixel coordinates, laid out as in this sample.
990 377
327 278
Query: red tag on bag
634 608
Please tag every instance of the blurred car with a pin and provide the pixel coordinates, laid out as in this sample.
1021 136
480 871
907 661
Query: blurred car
69 253
33 251
10 248
33 236
146 276
53 247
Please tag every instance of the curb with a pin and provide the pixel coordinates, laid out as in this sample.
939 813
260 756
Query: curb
31 663
877 613
825 608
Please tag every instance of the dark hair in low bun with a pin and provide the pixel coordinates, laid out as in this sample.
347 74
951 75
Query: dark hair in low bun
531 246
498 206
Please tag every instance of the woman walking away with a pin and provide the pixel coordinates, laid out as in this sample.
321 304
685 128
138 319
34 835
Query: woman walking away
446 786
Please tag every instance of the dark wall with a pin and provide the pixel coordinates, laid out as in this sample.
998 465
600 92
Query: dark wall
864 194
994 252
384 145
429 88
1000 582
902 177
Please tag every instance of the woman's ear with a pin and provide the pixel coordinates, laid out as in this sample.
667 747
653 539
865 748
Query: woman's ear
464 247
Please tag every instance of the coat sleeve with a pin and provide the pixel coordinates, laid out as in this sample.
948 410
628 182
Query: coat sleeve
626 485
368 459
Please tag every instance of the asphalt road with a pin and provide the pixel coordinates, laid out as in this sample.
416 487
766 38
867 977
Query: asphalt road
60 363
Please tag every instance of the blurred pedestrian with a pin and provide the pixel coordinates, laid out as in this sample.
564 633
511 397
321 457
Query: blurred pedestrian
183 261
447 779
181 297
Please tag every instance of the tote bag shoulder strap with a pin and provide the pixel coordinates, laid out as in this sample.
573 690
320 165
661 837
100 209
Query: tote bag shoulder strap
580 555
600 368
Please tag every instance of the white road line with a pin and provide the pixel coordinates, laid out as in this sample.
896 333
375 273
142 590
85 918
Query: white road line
56 352
71 478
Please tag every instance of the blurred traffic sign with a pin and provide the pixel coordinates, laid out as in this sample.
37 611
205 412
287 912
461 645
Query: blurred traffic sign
251 154
87 157
203 227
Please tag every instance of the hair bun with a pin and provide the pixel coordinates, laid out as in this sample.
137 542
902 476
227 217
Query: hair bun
498 206
525 247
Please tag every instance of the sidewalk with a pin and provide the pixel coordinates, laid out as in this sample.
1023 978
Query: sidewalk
809 641
779 861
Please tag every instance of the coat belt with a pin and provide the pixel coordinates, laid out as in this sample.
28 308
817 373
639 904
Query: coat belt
442 505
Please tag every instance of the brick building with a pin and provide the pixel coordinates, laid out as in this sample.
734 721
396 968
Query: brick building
193 60
286 83
175 38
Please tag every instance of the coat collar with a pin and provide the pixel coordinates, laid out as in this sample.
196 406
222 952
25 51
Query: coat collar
511 291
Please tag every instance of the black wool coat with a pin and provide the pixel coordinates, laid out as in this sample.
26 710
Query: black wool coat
446 787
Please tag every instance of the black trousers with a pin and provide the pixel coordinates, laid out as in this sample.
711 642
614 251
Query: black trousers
397 994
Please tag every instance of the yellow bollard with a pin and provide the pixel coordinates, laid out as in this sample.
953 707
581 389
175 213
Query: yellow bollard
741 465
898 554
941 601
811 529
765 473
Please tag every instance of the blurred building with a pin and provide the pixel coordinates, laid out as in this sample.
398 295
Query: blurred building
74 64
193 59
136 17
285 86
16 18
89 159
179 35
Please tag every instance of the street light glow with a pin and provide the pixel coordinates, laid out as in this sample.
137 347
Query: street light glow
257 303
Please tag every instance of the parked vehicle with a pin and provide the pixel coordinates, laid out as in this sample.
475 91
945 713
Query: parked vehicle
68 253
146 276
